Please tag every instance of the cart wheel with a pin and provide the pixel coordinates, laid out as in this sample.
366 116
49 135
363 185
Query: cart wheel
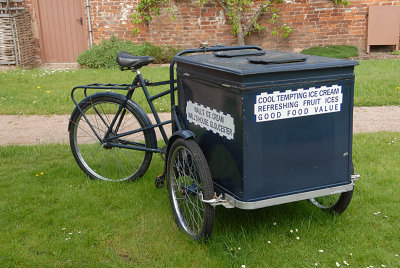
336 203
188 179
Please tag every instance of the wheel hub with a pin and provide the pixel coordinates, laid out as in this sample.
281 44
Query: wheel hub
192 189
106 145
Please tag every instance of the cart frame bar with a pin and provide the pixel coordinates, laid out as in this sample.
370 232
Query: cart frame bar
230 202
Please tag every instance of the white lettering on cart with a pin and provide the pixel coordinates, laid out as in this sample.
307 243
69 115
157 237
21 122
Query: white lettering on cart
210 119
301 102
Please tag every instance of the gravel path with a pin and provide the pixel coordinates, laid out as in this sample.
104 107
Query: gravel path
36 129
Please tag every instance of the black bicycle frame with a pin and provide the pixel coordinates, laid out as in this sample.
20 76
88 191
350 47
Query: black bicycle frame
140 82
117 120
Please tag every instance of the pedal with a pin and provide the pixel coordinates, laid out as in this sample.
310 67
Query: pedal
159 181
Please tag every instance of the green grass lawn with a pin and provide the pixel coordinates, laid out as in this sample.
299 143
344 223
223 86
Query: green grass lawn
48 92
333 51
377 83
62 218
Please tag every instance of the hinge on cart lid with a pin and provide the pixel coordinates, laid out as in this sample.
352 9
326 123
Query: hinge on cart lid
355 176
217 200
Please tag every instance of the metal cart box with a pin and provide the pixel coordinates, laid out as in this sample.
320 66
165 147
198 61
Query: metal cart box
274 127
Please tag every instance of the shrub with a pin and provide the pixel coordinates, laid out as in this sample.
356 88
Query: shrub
334 51
103 55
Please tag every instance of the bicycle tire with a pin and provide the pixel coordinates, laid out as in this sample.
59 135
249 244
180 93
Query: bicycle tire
188 175
109 163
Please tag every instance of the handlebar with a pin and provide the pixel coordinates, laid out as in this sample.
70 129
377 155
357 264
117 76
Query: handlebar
215 49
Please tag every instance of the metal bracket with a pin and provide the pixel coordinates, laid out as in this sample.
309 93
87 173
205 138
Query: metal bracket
217 200
355 176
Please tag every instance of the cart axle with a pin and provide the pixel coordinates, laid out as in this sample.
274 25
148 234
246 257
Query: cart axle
216 201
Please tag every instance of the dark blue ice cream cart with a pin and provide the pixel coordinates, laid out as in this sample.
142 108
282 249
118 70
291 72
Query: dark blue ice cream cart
251 128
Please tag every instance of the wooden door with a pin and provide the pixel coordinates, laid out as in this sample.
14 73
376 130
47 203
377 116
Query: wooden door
62 30
383 26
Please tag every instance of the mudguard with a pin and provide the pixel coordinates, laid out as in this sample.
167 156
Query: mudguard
184 134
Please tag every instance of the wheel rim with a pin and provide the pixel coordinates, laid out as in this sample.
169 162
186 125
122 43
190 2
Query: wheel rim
101 161
326 202
186 189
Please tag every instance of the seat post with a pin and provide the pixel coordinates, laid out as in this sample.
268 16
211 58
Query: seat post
150 102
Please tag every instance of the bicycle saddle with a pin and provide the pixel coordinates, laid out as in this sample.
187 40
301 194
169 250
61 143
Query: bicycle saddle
126 60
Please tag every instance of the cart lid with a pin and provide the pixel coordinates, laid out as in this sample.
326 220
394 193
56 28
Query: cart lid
248 62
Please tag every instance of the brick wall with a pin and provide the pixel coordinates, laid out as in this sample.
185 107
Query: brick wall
320 22
30 5
111 17
315 22
191 26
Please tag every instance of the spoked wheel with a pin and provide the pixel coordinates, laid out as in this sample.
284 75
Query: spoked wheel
188 180
336 203
100 160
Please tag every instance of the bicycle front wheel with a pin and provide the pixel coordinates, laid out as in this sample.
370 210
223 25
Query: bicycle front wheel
95 157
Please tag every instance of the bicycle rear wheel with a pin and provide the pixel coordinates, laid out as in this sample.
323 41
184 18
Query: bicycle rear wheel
93 156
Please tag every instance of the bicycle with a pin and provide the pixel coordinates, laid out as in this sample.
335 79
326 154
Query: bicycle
113 139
